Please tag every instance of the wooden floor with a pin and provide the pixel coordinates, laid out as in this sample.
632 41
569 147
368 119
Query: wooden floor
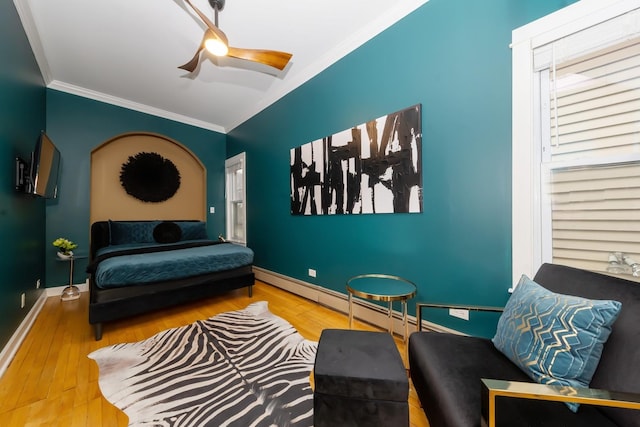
52 382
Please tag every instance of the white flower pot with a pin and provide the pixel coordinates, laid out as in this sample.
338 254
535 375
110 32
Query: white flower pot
65 256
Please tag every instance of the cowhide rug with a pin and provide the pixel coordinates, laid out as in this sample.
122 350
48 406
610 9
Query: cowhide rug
241 368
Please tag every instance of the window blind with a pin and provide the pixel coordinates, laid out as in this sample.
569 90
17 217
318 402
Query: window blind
594 157
595 104
595 211
594 37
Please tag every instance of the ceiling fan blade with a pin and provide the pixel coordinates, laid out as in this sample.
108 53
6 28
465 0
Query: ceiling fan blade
217 31
193 63
272 58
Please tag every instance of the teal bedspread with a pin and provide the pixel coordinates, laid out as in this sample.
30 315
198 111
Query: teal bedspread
140 268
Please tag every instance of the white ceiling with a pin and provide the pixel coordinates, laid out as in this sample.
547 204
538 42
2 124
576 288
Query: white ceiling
126 52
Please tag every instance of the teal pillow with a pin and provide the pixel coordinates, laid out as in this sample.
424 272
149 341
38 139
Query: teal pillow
193 230
555 339
123 232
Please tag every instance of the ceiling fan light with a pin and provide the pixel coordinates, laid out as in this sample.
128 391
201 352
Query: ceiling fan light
216 47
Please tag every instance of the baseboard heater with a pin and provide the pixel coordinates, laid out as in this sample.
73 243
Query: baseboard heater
362 310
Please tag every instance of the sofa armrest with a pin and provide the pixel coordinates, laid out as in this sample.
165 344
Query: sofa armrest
524 390
422 305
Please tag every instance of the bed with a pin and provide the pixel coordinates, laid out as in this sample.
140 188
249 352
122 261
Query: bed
139 266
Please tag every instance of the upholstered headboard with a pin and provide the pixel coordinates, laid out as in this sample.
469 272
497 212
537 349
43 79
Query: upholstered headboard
105 233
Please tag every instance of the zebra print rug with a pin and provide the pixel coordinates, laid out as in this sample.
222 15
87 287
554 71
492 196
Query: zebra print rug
241 368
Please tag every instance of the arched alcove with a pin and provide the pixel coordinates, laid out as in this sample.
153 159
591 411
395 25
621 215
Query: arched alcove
109 200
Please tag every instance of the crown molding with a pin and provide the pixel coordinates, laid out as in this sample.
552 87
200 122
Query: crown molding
125 103
396 12
29 25
391 17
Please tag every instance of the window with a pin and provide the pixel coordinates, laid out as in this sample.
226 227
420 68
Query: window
235 199
576 139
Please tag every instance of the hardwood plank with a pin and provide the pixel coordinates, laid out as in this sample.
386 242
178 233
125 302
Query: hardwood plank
79 417
51 381
94 417
64 407
17 417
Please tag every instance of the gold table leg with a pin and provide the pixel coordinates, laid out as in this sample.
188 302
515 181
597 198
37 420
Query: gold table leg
350 310
405 320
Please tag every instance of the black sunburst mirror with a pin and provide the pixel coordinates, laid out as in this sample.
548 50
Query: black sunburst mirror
150 177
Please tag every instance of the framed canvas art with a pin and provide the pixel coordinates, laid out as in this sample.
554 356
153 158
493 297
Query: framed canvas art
375 167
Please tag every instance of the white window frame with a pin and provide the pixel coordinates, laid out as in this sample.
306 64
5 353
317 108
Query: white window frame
528 230
230 163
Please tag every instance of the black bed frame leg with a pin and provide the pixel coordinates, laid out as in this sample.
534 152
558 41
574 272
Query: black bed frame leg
97 328
250 291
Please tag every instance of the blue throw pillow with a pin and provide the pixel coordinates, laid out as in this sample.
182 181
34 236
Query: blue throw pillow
555 339
123 232
193 230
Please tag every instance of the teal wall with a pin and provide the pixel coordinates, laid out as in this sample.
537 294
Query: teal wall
22 218
77 125
453 57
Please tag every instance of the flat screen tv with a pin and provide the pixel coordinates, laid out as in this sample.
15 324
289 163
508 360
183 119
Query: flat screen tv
42 179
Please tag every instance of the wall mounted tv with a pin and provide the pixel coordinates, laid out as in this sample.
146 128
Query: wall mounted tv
40 176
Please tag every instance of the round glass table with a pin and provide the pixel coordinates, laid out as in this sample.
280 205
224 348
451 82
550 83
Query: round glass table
382 287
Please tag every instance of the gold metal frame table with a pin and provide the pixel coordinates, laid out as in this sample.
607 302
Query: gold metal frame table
382 287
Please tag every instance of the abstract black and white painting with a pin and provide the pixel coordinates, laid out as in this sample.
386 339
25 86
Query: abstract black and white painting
375 167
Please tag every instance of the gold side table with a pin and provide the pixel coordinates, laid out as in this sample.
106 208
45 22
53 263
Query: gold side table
382 287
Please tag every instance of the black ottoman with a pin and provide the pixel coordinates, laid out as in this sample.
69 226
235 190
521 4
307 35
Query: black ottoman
359 380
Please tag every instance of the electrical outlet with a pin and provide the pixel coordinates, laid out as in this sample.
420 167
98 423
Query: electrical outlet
459 313
22 300
212 209
38 284
312 272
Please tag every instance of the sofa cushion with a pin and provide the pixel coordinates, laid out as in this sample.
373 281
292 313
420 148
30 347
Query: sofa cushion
623 346
446 370
556 339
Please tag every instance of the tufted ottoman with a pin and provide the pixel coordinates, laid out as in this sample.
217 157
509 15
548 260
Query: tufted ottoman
359 380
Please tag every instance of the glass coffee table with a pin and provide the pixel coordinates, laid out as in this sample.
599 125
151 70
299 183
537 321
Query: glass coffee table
382 287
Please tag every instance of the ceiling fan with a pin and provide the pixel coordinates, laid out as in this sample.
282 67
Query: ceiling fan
216 42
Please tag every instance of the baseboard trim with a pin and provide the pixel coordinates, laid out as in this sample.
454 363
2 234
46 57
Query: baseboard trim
11 348
57 290
362 310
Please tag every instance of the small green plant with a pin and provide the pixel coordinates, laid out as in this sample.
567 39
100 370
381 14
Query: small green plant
64 245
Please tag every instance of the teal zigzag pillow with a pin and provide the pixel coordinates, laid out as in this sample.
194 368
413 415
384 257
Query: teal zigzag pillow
555 339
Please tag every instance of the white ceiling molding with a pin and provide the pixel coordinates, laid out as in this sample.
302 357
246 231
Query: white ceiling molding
120 102
127 53
26 17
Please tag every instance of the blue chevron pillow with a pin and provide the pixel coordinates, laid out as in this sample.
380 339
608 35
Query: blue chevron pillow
555 339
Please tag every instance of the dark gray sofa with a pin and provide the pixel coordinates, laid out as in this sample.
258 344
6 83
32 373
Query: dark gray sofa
447 369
